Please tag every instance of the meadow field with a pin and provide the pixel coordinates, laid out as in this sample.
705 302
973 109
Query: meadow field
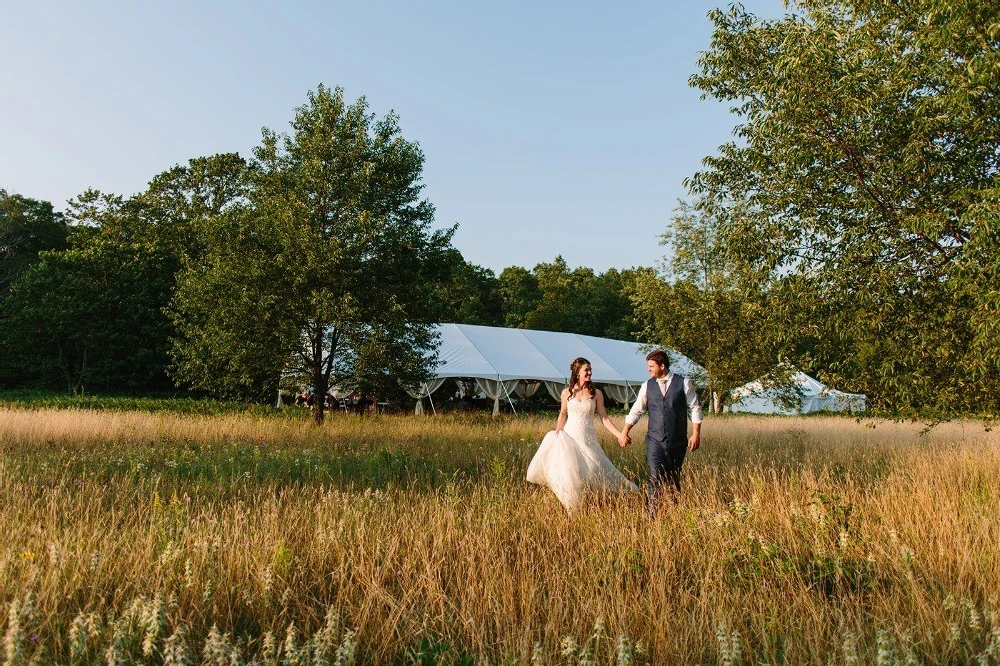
235 538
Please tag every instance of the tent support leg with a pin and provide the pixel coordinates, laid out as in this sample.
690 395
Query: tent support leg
511 402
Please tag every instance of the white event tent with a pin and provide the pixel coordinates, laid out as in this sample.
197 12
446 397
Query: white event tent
510 361
754 398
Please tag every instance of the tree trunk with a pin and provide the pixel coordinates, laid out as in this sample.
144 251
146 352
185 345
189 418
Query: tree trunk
319 377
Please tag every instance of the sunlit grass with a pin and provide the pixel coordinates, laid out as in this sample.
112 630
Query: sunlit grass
795 541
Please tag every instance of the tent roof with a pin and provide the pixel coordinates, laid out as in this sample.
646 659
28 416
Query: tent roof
816 396
488 352
809 386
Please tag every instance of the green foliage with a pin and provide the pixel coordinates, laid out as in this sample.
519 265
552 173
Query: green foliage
27 227
707 313
181 202
471 295
520 294
329 271
863 184
89 318
551 297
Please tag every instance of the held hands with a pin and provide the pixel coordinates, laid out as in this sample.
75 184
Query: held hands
624 440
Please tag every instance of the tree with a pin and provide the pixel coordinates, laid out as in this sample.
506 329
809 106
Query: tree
27 227
330 270
864 183
90 318
181 201
552 297
700 309
520 295
471 294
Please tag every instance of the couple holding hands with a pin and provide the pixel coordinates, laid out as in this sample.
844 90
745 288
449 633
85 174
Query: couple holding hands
570 458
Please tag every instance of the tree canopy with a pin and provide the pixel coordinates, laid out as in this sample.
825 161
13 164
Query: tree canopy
27 227
329 270
862 182
700 308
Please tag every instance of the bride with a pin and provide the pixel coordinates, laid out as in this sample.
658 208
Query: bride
570 458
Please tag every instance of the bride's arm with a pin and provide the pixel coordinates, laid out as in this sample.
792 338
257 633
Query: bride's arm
604 416
563 410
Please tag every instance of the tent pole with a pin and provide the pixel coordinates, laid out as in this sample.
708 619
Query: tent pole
428 389
511 402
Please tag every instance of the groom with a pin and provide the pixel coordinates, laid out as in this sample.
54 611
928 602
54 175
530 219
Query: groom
668 397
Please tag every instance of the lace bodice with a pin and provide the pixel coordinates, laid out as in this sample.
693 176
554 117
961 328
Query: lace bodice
580 421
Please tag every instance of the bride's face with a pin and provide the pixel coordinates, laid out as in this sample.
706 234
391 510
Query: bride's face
585 373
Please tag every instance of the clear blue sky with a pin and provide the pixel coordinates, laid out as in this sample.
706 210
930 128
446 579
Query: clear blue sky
548 127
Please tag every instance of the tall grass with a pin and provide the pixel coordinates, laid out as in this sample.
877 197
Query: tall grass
246 538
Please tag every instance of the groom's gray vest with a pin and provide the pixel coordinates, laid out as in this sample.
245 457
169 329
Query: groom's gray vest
667 413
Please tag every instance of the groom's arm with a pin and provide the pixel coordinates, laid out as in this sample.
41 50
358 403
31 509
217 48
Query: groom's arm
694 409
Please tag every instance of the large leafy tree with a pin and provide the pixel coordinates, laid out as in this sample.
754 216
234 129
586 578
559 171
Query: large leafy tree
519 294
701 308
27 227
330 271
181 203
581 301
864 179
90 318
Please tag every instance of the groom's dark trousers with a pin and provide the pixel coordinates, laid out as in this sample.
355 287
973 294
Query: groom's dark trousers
666 437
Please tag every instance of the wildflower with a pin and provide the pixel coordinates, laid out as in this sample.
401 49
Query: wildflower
624 650
850 648
291 646
347 650
568 647
730 645
270 648
175 650
885 656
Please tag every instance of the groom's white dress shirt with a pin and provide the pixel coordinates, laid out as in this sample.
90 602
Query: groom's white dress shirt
639 408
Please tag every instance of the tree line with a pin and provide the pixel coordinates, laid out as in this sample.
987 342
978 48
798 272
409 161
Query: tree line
314 262
851 229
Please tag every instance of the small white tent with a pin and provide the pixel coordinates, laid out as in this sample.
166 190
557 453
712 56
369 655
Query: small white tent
754 398
500 359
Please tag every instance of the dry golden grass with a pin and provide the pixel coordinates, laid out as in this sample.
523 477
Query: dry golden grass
795 541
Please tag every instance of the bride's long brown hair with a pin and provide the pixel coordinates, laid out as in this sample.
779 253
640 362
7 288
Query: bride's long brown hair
574 375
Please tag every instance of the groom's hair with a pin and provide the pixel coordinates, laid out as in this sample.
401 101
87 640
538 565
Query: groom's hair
659 356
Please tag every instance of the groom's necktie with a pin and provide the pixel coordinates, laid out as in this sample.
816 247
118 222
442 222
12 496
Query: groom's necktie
662 383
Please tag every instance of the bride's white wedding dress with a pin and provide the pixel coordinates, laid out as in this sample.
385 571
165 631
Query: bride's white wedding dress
572 460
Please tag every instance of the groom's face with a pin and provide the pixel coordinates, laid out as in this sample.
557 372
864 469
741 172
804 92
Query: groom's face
656 370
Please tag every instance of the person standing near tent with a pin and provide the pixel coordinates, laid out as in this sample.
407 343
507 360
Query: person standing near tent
669 398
